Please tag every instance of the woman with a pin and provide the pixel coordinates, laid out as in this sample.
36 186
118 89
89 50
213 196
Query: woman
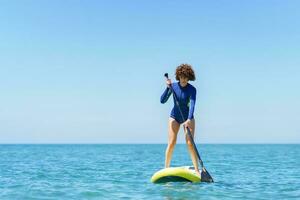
186 95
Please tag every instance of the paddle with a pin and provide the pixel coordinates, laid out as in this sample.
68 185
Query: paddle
205 176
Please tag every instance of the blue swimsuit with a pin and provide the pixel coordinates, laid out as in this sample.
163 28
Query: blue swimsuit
187 99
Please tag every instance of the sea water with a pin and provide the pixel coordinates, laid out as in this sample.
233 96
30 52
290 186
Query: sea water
124 171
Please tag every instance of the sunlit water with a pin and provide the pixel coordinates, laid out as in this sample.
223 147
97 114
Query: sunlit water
124 172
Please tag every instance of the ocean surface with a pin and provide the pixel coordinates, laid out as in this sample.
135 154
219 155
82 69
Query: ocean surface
124 172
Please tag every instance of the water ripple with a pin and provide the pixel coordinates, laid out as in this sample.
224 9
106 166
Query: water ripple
124 171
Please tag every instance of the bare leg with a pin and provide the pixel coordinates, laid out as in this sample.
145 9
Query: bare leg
191 148
173 131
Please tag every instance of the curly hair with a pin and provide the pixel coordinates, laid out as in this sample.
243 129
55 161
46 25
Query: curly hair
185 70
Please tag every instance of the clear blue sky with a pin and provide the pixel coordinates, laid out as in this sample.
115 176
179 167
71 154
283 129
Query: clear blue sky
92 71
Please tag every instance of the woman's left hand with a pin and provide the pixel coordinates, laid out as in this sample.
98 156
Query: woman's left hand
188 123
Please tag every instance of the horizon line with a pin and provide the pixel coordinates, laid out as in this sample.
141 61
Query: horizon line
147 143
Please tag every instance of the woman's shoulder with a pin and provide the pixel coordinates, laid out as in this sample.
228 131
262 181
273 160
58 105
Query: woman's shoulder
175 84
192 87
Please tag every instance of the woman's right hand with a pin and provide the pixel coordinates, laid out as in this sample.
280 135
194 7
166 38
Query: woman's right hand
168 83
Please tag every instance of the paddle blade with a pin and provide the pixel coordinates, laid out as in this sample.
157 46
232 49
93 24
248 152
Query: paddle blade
205 176
166 75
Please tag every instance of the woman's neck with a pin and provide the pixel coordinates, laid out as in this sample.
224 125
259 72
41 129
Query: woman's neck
182 84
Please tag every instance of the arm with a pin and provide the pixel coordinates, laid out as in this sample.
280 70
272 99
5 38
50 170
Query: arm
192 104
165 96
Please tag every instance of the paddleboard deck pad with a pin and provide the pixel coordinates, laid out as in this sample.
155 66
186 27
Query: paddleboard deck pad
176 174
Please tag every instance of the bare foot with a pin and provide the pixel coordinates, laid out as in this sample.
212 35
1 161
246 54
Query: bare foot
198 172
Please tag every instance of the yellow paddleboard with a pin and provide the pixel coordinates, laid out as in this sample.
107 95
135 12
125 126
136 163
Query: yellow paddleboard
176 174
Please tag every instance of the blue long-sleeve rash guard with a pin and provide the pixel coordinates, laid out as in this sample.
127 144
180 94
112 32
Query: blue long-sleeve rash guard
187 99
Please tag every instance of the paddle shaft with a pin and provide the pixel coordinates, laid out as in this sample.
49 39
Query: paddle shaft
187 128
